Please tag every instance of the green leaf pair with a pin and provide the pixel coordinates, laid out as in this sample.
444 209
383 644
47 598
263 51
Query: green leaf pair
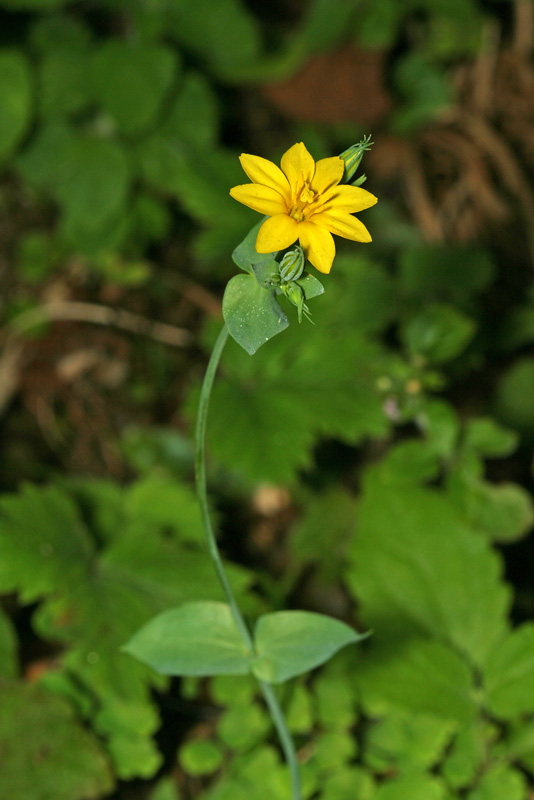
201 638
250 308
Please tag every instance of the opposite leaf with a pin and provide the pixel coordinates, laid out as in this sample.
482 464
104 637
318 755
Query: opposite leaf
195 639
289 643
251 313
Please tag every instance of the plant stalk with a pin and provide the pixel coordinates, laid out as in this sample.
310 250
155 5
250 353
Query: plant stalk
269 694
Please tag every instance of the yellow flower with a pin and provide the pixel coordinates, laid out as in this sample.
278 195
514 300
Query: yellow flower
303 201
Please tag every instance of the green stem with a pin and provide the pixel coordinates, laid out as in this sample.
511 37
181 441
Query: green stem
200 464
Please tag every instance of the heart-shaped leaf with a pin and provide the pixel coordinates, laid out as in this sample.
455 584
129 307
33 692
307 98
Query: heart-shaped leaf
251 313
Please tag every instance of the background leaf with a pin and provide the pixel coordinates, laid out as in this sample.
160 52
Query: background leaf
15 99
509 674
131 80
410 547
40 729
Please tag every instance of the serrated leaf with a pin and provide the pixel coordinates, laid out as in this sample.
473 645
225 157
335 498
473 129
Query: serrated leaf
195 639
252 314
406 741
500 781
504 513
333 750
419 675
64 84
165 789
335 698
200 757
441 426
93 178
44 545
412 462
168 504
306 383
46 752
242 727
513 397
412 547
489 438
300 710
228 690
451 274
224 35
8 648
199 177
347 782
38 5
15 100
465 757
411 787
288 643
509 674
333 511
131 80
40 163
438 333
49 32
94 602
193 117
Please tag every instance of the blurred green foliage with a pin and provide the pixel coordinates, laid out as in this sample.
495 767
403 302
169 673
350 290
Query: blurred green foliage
399 426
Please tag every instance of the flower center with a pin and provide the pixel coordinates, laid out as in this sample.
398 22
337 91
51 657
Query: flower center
304 203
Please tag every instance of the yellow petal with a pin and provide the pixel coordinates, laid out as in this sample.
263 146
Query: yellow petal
350 199
328 173
276 233
318 246
298 165
260 198
260 170
342 224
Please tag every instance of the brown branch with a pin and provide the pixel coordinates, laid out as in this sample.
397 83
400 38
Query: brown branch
419 198
99 315
523 28
504 161
484 69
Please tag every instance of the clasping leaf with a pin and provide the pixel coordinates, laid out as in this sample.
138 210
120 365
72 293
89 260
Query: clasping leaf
199 638
251 313
289 643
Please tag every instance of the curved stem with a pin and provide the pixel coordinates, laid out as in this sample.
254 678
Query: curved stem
200 466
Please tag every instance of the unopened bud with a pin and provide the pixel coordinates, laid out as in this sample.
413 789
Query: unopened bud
353 156
295 295
292 264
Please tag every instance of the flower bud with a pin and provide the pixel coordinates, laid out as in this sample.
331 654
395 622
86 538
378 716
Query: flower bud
353 156
292 264
295 295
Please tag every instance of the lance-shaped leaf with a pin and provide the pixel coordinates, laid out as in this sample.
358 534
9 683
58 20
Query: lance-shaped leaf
310 286
194 639
251 313
289 643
